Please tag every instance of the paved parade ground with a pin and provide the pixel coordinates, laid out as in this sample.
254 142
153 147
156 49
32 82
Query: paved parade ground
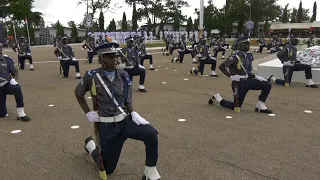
207 145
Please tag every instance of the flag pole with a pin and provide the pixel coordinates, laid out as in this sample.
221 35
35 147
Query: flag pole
28 31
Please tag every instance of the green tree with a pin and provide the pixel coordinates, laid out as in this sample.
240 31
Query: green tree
112 26
285 14
60 29
95 26
294 15
173 10
161 27
18 11
300 13
314 15
134 19
101 22
266 26
71 23
81 26
5 8
95 5
124 24
149 26
176 24
74 32
196 24
189 24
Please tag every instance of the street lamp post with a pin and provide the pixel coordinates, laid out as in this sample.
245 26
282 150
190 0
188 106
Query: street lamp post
201 18
87 29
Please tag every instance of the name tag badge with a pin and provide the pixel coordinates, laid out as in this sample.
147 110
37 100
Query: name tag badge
4 64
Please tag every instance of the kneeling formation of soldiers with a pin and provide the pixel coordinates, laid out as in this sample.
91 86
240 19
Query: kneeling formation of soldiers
118 121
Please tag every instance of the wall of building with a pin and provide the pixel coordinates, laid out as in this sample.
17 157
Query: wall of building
67 31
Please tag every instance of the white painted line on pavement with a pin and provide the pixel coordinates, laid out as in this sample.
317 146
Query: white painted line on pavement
307 111
228 117
74 127
15 131
271 114
50 105
181 120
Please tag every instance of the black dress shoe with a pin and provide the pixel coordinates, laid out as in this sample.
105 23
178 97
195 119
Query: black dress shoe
312 86
78 77
152 69
32 69
211 100
266 111
145 178
24 118
214 75
142 90
269 79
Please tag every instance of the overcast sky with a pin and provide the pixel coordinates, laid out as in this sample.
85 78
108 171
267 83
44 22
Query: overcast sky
67 10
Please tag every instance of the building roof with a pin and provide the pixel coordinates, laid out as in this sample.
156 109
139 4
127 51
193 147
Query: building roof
38 28
315 24
279 26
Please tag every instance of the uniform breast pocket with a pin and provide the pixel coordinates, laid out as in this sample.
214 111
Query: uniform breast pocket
101 91
3 68
118 88
119 92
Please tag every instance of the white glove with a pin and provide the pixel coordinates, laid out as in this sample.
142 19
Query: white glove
74 59
235 77
288 63
259 78
138 119
93 116
13 82
140 66
59 57
28 54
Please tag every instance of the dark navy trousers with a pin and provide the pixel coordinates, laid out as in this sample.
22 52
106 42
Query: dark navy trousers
182 53
209 60
261 48
297 67
147 56
219 50
136 71
90 56
22 60
65 64
113 136
244 86
11 90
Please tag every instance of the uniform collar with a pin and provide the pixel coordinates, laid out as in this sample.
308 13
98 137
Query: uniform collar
103 74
